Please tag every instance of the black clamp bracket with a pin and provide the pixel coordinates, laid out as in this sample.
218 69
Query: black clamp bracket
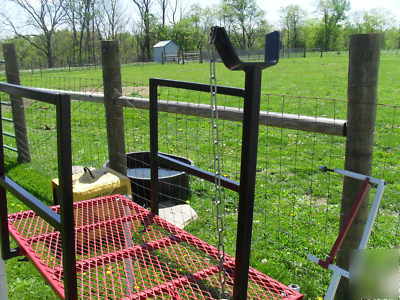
219 38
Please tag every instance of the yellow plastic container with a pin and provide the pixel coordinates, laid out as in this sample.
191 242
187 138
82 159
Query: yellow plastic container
105 181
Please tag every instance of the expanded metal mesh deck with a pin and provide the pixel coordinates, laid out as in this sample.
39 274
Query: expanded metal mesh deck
126 252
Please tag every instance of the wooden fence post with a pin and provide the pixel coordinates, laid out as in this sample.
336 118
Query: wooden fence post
361 115
17 105
114 111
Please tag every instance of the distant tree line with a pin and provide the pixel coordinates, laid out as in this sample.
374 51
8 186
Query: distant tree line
52 33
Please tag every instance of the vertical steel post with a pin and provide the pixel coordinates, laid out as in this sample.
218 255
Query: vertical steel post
154 184
251 114
5 239
64 154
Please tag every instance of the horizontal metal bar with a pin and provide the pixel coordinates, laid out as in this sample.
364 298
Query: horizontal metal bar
29 92
32 202
8 134
200 87
7 119
354 175
5 103
10 148
359 176
331 267
192 170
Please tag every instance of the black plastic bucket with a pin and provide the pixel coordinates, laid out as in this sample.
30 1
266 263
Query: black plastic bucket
174 185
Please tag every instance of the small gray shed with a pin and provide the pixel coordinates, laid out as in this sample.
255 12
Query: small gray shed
164 48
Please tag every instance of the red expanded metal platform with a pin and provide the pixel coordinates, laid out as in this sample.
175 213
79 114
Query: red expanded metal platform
126 252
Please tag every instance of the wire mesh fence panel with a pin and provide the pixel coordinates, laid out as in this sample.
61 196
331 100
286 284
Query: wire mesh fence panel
386 232
42 137
188 139
297 208
47 80
8 126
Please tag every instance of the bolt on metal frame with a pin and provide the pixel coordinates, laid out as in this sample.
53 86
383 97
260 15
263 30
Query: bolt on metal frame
64 221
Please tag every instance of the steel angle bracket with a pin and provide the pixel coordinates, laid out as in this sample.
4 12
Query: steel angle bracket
219 38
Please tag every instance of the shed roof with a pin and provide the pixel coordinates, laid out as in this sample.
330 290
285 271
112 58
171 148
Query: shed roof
161 44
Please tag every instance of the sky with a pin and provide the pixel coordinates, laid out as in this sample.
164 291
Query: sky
271 8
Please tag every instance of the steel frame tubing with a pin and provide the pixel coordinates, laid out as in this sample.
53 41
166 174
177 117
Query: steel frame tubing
64 222
156 157
5 237
246 188
153 110
65 196
347 224
337 271
248 166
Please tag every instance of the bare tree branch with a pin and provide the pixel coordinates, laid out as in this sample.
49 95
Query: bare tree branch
43 18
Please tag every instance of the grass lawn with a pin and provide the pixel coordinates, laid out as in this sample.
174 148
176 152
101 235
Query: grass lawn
297 207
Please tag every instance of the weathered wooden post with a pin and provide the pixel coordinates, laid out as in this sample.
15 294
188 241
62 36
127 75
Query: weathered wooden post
17 105
361 113
114 111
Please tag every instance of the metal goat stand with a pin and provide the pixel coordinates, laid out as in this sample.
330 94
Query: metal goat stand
253 73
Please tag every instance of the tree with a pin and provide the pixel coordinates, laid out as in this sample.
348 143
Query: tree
201 20
243 16
163 6
292 18
333 13
43 18
110 19
145 16
80 15
376 20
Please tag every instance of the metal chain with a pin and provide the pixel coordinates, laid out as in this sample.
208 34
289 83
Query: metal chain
218 197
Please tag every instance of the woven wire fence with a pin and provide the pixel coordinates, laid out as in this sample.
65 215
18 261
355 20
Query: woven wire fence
297 207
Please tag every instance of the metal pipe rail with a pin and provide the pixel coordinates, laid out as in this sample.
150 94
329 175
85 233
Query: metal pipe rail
195 171
32 202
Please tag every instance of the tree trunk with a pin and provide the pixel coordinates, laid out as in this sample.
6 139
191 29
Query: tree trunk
147 37
81 47
74 44
49 52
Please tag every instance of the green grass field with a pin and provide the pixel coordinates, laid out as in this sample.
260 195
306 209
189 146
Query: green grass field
297 207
